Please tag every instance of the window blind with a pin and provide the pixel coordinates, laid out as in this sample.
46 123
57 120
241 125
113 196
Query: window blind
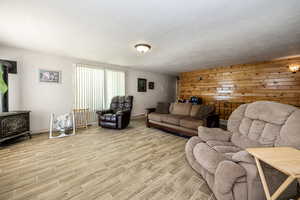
95 87
115 84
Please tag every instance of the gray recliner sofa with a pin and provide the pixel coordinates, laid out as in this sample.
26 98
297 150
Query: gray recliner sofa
220 156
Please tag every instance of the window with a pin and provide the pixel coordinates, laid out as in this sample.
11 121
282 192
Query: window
115 85
95 87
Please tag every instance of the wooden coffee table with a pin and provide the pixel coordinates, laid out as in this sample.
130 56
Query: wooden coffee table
284 159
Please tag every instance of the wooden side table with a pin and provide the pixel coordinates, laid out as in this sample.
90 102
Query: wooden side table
284 159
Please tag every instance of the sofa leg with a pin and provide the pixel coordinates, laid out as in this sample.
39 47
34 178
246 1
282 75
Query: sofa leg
147 123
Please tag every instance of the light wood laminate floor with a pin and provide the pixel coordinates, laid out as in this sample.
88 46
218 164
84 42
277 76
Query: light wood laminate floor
137 163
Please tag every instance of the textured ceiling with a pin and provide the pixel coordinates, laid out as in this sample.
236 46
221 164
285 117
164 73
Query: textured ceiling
185 35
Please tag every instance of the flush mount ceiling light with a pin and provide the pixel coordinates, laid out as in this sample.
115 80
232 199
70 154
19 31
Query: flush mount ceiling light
142 48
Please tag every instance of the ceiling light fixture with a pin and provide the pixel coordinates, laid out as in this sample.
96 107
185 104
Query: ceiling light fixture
294 68
142 48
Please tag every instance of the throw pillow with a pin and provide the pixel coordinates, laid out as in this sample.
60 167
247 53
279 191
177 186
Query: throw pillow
162 108
195 110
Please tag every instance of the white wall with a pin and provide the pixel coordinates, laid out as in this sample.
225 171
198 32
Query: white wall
164 90
27 93
14 96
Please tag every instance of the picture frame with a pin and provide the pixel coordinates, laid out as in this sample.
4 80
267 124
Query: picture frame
151 85
142 85
49 76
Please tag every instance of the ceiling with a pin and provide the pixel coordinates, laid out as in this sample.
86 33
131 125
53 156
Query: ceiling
184 35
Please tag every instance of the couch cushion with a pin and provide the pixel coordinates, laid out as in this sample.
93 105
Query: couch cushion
269 111
261 124
162 107
235 118
181 109
155 116
190 122
256 132
269 134
207 134
244 142
171 119
226 148
177 129
210 154
290 134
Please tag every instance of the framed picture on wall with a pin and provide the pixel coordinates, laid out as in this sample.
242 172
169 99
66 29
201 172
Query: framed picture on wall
142 85
151 85
48 76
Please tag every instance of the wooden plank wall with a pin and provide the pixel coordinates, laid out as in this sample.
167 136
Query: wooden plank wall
227 87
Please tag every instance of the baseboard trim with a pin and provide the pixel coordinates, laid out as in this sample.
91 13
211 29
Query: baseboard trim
138 116
47 130
39 132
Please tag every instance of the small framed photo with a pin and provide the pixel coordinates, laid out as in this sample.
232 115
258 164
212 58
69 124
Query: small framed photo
151 85
48 76
142 85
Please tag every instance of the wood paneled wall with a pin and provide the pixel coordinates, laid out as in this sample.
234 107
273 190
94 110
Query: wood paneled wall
228 87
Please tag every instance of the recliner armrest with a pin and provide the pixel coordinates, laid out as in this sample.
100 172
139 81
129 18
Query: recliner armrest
123 112
226 174
102 112
243 156
123 118
207 134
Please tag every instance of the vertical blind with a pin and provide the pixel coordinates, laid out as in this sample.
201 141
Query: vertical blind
115 85
95 87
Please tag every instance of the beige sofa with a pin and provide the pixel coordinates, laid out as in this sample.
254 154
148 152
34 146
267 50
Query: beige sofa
183 118
220 156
